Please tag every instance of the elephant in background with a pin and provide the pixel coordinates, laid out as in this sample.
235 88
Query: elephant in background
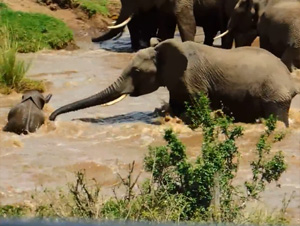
276 22
27 116
245 82
212 15
142 27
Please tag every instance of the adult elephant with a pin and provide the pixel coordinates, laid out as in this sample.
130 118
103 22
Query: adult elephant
246 82
276 22
142 27
212 15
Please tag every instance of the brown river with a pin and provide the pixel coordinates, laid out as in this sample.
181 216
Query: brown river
107 139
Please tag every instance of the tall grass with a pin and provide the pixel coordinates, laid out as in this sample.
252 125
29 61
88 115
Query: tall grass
12 69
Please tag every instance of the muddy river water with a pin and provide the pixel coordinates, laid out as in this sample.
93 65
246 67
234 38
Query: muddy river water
109 138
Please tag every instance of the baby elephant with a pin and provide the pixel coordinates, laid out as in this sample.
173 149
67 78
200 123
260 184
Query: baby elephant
27 116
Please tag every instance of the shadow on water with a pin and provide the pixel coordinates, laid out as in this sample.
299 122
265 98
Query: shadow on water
119 44
132 117
122 42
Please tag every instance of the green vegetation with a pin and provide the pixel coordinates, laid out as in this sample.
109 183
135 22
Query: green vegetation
3 6
90 7
35 31
93 6
13 70
13 211
180 189
26 32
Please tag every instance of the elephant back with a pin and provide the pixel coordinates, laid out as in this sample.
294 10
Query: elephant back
281 22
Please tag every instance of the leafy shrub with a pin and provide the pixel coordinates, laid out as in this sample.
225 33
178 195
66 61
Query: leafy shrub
206 184
201 190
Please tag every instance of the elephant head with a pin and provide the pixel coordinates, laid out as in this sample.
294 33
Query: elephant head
128 10
27 116
37 98
243 22
148 70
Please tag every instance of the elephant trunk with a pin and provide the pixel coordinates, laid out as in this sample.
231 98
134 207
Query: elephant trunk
108 35
109 96
124 16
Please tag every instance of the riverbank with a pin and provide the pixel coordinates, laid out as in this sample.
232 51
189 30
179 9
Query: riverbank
83 26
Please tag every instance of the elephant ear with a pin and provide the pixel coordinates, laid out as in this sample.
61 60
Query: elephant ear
37 99
171 62
47 98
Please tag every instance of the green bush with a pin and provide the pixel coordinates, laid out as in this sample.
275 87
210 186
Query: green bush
35 31
183 190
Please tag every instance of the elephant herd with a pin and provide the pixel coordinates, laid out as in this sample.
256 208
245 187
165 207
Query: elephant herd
276 22
246 82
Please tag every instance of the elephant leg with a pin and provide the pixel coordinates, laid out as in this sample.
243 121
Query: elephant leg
177 109
280 110
166 27
265 43
210 32
177 106
142 27
134 31
148 27
186 22
227 41
291 58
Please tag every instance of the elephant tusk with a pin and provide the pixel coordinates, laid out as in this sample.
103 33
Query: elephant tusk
124 23
114 101
221 35
113 22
